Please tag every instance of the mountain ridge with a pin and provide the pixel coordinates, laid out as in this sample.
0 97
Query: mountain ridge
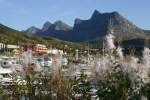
95 27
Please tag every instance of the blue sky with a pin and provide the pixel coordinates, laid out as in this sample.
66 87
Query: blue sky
21 14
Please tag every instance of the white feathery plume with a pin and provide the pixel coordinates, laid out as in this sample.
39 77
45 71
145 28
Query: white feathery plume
119 52
110 42
146 57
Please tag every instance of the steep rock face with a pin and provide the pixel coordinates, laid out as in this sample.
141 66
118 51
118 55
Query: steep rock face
46 26
60 26
32 30
97 26
94 28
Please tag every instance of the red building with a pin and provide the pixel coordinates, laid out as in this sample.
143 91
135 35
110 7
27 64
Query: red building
36 48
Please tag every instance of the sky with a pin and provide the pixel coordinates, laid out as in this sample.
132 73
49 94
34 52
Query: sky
21 14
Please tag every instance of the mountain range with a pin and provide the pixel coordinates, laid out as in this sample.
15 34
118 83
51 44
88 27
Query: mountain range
11 36
59 34
92 29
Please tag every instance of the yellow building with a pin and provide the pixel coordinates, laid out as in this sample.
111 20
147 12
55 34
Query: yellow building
40 48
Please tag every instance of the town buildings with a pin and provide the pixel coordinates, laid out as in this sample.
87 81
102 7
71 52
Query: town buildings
36 48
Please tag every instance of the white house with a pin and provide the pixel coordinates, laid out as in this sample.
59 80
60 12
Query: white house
55 51
9 46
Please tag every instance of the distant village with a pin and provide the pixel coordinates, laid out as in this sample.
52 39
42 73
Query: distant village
35 48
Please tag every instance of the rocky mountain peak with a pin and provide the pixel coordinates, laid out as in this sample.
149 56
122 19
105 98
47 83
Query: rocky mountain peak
32 30
46 26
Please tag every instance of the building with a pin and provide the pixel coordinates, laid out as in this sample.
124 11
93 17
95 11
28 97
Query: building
26 47
10 48
36 48
2 46
55 51
15 49
40 48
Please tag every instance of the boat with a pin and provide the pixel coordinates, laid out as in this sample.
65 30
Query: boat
6 62
45 62
6 77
